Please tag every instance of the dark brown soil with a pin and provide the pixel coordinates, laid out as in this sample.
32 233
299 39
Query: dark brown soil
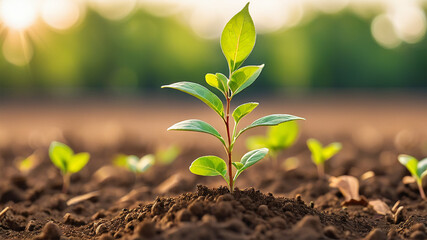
165 203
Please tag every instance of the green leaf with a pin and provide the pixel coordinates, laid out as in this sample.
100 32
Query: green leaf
60 154
249 159
330 150
244 77
316 150
256 142
197 126
140 165
283 135
201 93
168 155
223 79
216 82
209 166
243 110
238 38
410 163
422 168
270 120
78 161
120 160
238 165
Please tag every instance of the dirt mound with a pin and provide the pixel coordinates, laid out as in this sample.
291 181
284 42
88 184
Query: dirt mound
217 214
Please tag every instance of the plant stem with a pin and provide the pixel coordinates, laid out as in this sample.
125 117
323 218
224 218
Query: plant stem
321 170
227 126
66 182
420 187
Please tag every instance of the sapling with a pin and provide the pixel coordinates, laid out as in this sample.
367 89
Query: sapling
237 42
320 154
277 139
418 170
63 157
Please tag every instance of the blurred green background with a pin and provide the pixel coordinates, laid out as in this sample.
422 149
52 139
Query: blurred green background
352 47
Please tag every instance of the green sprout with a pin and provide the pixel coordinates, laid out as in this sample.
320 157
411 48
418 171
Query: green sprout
237 42
278 138
167 155
320 154
140 165
418 170
134 163
63 157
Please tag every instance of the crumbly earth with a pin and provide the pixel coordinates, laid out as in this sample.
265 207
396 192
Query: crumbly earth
274 200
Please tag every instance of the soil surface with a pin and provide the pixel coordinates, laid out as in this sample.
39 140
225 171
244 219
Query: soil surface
273 200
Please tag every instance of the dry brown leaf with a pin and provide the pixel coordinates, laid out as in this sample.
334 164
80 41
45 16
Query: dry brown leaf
348 186
367 175
83 197
408 180
4 211
395 206
380 207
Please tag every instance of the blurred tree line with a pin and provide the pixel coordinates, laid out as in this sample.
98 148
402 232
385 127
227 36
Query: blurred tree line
143 52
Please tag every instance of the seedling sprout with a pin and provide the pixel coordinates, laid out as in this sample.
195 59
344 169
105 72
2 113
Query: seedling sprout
418 170
63 157
277 139
320 154
237 42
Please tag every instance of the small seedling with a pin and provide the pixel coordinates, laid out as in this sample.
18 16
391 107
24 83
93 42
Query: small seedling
134 163
418 170
278 138
167 155
140 165
237 42
320 154
63 157
26 164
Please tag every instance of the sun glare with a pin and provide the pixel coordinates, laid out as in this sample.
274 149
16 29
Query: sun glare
18 14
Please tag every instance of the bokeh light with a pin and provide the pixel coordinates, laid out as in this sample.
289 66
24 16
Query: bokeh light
17 49
60 14
18 14
409 22
114 9
383 31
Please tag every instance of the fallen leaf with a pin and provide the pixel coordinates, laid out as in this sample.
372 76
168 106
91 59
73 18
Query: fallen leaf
82 198
4 211
380 207
395 206
408 180
348 186
367 175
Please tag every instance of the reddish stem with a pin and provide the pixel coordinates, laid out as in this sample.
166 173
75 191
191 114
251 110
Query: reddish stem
227 126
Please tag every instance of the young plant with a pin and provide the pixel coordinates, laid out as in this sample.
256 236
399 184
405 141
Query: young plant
237 42
63 157
134 163
140 165
167 155
278 138
320 154
418 170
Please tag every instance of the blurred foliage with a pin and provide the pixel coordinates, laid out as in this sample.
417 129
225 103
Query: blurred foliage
143 52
